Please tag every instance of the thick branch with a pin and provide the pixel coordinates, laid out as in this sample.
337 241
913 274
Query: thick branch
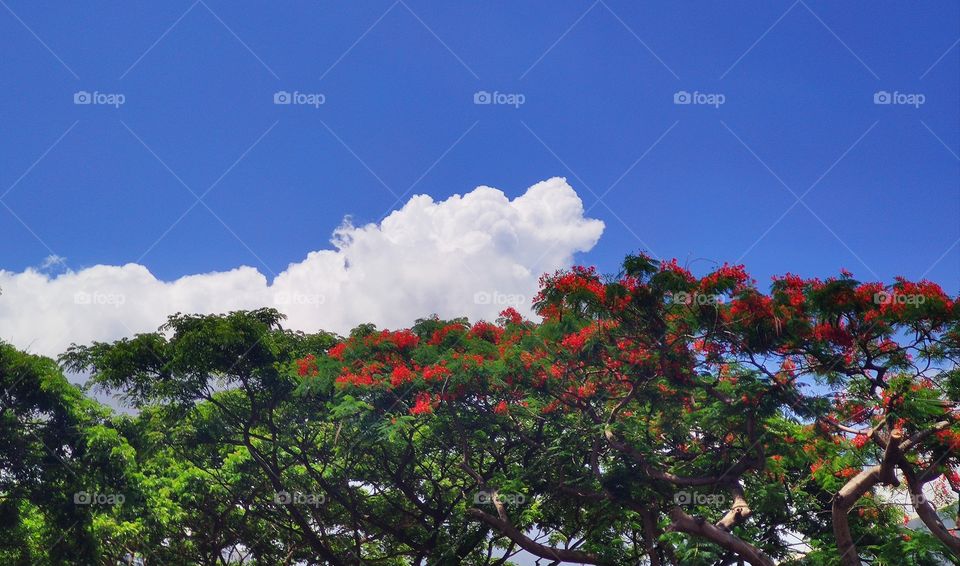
740 510
658 474
650 535
699 527
926 511
532 546
854 489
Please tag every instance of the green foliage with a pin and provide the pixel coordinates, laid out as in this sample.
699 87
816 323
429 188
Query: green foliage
642 408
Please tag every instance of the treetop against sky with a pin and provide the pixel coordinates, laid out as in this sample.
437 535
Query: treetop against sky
198 156
654 415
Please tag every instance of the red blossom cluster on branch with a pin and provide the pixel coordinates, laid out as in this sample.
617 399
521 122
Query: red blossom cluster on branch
856 372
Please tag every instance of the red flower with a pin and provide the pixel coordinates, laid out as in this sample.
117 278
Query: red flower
673 266
726 273
362 379
307 366
421 404
438 372
550 407
337 351
401 374
577 279
486 331
587 390
510 315
440 335
468 359
751 307
836 334
951 439
501 408
576 341
402 339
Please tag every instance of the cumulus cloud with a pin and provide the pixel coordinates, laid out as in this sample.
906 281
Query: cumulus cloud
470 255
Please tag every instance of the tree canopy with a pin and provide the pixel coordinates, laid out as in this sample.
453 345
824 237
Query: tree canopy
650 417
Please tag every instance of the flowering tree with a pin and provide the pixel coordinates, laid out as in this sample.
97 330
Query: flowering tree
657 403
652 416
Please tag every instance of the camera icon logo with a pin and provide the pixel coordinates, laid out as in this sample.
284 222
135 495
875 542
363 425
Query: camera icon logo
677 298
682 97
882 298
482 97
82 97
95 498
682 498
882 97
282 498
282 97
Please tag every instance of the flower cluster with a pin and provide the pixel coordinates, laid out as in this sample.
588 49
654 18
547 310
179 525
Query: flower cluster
422 404
603 340
307 366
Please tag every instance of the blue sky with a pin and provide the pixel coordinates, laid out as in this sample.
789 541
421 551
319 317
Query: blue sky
98 184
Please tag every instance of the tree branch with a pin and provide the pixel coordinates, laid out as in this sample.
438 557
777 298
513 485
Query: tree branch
854 489
740 510
698 526
926 511
530 545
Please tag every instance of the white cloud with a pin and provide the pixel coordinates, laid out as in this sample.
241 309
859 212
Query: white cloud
470 255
